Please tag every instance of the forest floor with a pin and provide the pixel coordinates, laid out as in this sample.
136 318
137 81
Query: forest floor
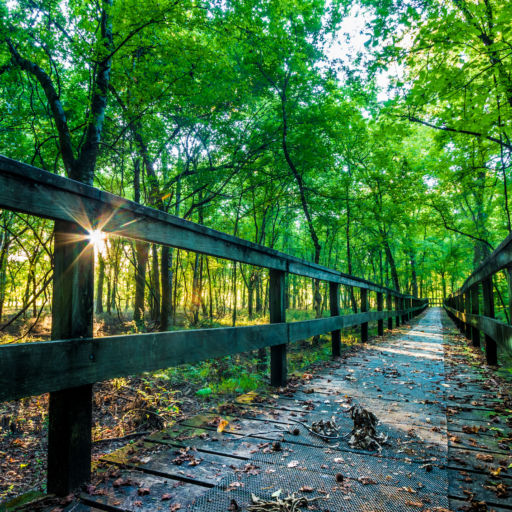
127 408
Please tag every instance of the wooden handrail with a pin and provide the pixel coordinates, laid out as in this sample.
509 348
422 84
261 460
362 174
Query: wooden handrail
463 305
36 368
67 368
31 190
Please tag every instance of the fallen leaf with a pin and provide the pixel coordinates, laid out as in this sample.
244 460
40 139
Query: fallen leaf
485 457
418 504
365 480
222 425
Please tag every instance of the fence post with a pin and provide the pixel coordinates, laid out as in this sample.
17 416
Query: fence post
397 309
475 310
364 309
70 410
467 311
334 301
380 307
278 369
491 351
404 315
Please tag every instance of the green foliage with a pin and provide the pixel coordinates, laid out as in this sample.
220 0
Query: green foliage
241 116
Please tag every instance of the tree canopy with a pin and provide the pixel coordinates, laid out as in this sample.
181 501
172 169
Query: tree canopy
371 137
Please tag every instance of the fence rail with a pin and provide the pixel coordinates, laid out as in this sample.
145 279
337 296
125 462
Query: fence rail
472 306
31 190
69 365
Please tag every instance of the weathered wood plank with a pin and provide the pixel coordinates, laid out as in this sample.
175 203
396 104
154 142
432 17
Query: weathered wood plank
500 332
27 189
70 410
499 259
34 368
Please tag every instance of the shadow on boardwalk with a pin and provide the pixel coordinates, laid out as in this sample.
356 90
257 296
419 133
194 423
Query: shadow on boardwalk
441 413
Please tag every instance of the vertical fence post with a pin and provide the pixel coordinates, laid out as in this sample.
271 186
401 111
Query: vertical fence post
491 351
475 310
397 309
380 307
389 307
70 410
364 309
403 306
277 315
467 311
334 301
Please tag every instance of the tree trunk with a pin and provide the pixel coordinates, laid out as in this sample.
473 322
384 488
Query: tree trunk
196 300
392 265
141 254
4 248
155 284
99 285
414 279
166 277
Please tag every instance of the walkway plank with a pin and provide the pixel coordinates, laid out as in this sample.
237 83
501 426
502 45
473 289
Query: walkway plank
436 408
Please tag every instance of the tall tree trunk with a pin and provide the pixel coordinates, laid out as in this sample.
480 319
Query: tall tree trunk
414 279
257 288
349 253
166 277
392 265
234 292
141 255
155 284
317 297
99 285
196 300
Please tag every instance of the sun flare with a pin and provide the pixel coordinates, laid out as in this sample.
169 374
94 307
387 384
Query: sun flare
97 238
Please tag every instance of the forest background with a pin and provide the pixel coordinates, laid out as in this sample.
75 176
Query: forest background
371 137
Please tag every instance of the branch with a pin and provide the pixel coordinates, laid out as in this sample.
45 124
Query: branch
455 130
90 149
455 230
66 147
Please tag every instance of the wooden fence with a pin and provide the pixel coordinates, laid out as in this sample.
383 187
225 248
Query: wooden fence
472 306
68 366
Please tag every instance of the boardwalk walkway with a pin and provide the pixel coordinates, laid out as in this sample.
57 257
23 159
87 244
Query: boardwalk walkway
440 413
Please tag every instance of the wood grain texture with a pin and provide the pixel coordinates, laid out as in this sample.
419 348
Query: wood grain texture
499 332
34 368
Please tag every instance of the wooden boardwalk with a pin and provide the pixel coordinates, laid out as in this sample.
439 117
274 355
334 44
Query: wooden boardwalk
441 413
